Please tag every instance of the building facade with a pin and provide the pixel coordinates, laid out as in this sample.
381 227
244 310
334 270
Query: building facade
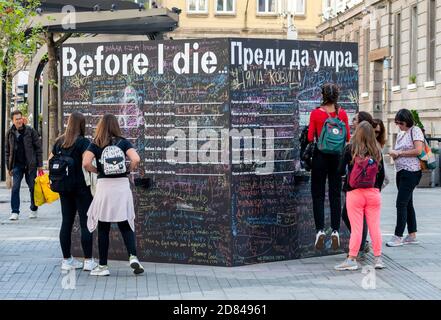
400 55
273 19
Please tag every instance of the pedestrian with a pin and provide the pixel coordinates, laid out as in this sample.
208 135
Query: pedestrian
110 150
408 146
76 195
364 246
380 132
24 157
363 166
325 165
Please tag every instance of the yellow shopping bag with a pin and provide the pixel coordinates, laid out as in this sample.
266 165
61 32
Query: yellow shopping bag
38 193
48 195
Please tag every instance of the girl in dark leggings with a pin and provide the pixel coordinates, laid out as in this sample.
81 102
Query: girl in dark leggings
113 201
325 167
77 200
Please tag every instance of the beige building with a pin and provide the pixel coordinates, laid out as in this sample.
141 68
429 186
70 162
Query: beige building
280 19
399 54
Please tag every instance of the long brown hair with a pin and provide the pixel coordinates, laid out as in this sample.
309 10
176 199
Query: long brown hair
108 128
76 126
364 143
381 138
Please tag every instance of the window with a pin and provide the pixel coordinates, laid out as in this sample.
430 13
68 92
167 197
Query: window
297 7
366 69
197 6
378 33
397 50
266 6
431 32
225 6
300 7
413 41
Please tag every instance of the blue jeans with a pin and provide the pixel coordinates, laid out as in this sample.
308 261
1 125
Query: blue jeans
17 176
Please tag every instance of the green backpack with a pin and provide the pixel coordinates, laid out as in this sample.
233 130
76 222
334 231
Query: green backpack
333 136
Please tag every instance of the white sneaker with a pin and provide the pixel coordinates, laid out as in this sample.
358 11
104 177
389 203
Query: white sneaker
33 215
100 271
410 240
335 240
348 264
135 265
379 263
320 240
71 264
13 216
89 264
395 241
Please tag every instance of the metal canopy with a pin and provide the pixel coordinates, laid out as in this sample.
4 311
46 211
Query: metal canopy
131 21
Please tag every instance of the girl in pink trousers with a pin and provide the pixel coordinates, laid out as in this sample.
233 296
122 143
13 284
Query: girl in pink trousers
362 163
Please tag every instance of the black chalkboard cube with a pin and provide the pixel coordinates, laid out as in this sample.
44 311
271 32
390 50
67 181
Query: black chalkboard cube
216 123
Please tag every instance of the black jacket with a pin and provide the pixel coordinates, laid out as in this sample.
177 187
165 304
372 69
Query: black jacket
345 168
32 148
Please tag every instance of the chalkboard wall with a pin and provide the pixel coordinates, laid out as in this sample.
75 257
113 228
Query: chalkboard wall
243 199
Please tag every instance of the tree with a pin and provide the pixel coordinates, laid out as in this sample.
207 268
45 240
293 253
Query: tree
52 67
18 43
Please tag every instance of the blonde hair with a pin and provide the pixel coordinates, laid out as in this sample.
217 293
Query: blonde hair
364 143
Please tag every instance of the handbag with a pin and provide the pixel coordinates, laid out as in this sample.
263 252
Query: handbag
307 155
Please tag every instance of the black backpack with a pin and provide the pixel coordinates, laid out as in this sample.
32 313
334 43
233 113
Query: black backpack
62 170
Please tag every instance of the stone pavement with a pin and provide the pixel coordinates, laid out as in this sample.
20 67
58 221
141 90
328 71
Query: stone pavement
30 266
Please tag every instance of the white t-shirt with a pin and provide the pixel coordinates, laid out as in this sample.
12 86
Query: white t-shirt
405 142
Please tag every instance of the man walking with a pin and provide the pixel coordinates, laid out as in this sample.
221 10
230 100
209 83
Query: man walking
24 157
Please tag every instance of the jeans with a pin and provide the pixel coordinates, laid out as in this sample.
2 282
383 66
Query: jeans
17 176
71 203
103 239
325 166
406 183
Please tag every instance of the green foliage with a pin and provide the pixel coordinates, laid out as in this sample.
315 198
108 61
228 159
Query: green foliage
18 42
23 107
417 120
412 78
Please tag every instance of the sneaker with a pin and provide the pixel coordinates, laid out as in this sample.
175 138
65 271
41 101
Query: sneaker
13 216
71 264
335 240
395 241
379 263
320 240
100 271
410 240
89 264
135 265
348 264
33 215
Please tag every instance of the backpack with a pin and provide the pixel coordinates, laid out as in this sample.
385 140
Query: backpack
364 173
333 136
113 160
62 170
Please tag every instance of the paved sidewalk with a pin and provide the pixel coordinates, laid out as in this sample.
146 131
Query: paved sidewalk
30 266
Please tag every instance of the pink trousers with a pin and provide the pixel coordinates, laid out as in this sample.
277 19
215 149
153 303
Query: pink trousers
360 203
